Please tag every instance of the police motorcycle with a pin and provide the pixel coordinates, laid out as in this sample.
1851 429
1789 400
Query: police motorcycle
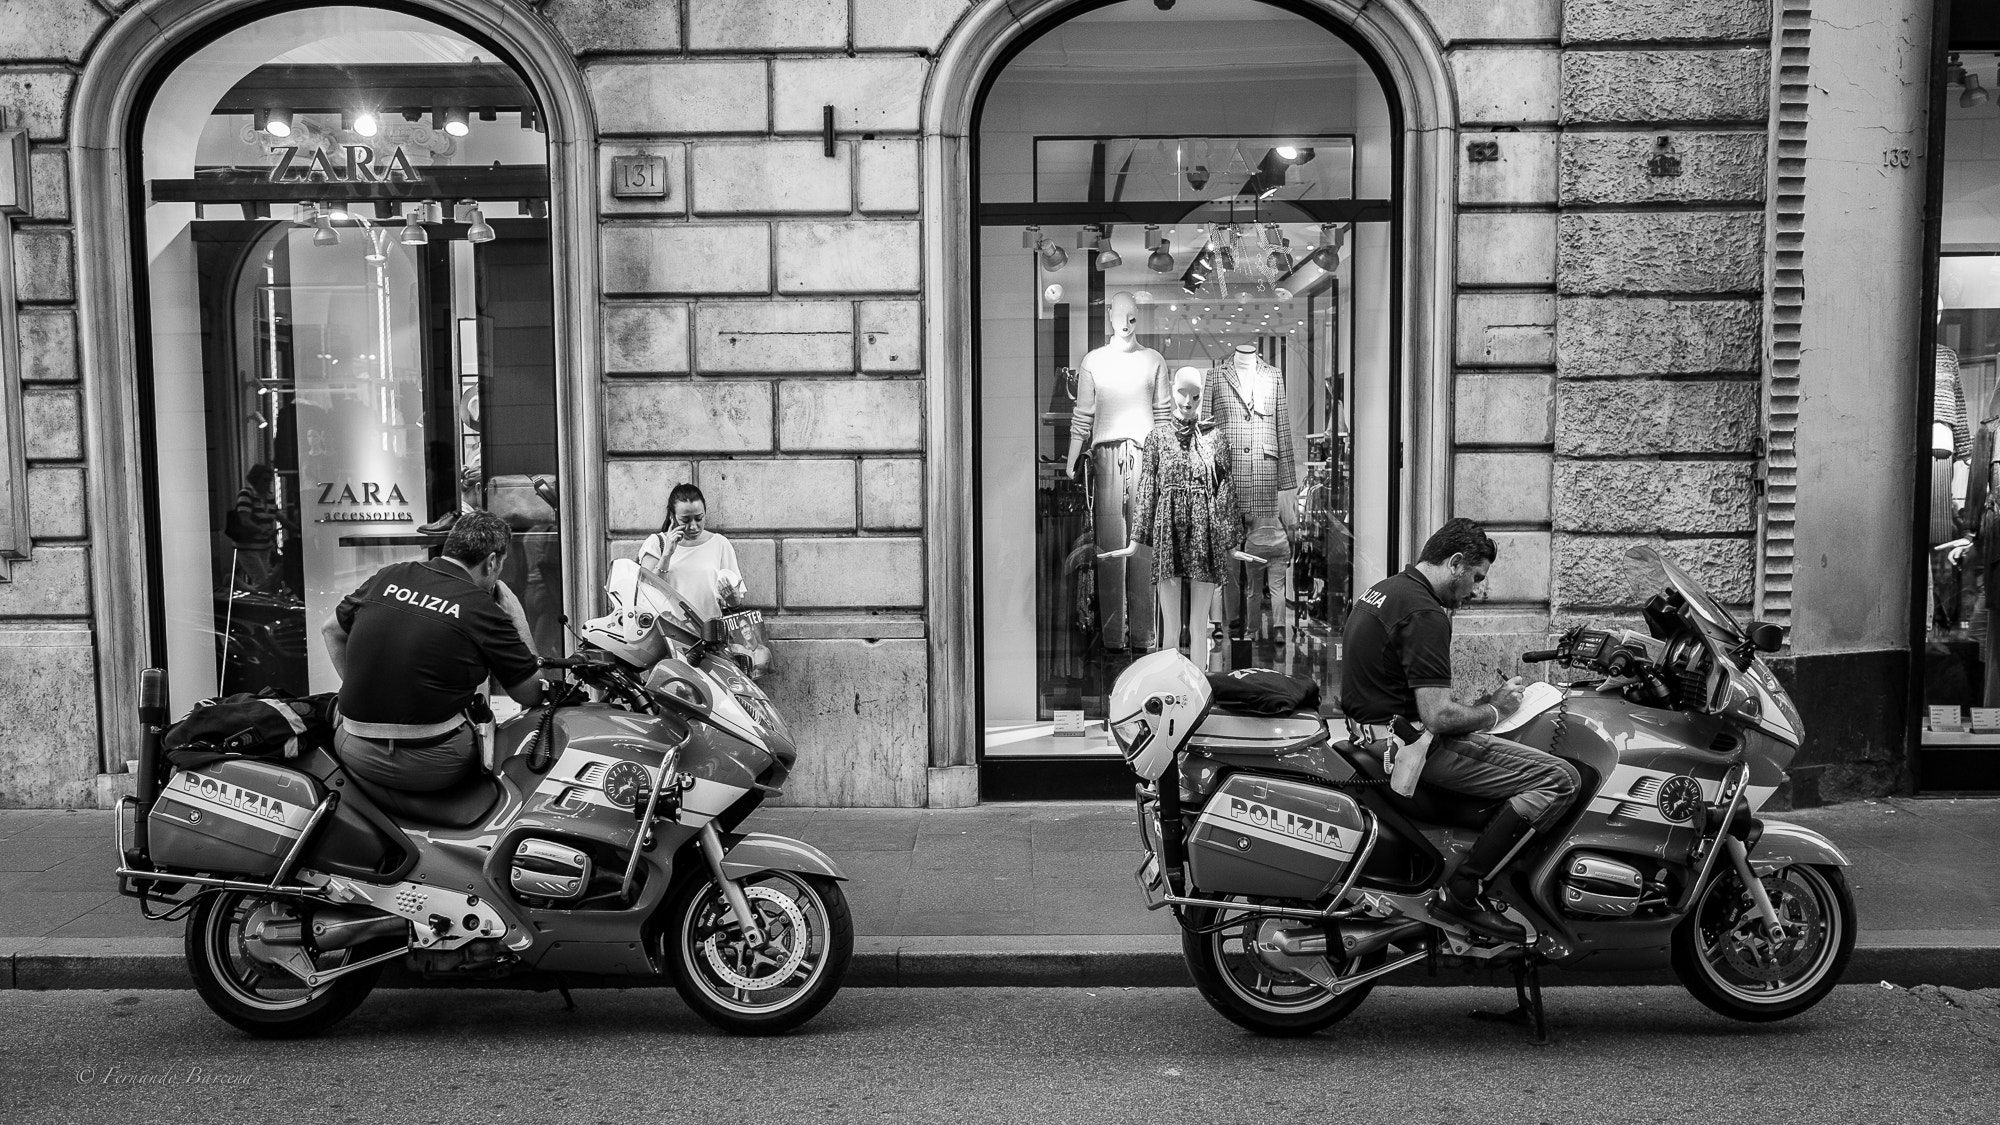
1300 877
607 845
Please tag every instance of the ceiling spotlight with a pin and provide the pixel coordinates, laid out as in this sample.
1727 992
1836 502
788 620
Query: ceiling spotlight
326 235
1975 94
365 123
433 212
1107 255
1088 238
1031 237
277 121
1327 254
477 230
1161 260
414 233
455 121
1054 257
378 246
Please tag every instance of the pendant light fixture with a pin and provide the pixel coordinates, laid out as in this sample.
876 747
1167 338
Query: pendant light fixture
477 230
1107 256
275 120
414 233
1327 254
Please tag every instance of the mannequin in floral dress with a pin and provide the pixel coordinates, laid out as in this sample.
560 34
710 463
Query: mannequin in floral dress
1185 511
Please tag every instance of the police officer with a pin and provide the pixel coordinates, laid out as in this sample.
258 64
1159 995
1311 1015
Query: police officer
413 645
1397 666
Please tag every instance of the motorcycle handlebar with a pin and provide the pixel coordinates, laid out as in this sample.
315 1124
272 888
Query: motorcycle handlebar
1539 656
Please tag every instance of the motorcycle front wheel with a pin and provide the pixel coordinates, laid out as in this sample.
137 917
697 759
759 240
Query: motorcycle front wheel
1724 956
1258 990
252 993
767 989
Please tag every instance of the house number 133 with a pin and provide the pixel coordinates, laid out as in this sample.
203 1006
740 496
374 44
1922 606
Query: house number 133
1897 158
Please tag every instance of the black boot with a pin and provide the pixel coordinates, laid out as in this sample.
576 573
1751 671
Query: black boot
1458 900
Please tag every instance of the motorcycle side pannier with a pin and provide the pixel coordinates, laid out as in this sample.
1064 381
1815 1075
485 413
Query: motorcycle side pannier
233 817
1267 836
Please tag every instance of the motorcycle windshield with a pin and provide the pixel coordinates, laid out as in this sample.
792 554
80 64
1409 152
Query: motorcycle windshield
1714 619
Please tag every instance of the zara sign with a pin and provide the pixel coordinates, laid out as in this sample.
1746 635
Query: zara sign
354 164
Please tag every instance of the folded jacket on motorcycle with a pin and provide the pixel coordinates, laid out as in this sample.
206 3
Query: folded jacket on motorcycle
421 639
1261 691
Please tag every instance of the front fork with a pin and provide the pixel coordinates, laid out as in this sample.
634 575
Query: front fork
1739 857
739 904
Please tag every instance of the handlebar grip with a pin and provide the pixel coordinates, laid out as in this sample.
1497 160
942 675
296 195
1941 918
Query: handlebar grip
1540 655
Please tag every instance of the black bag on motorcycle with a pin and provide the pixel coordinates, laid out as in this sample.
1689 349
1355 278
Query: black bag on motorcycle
264 725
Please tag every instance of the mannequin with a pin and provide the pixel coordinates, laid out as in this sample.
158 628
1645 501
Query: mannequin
1186 511
1244 399
1121 394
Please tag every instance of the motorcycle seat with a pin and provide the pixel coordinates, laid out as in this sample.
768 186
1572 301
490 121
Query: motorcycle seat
1429 804
457 806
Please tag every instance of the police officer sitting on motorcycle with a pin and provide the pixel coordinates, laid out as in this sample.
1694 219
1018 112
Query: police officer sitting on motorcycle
413 645
1397 671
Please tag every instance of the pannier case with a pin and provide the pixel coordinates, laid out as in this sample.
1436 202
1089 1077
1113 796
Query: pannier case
1267 836
233 817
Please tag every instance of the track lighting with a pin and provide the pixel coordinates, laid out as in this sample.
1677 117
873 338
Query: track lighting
1107 256
365 123
305 214
326 235
464 211
414 233
1161 260
477 230
1327 254
1279 257
1054 257
277 121
455 121
1975 94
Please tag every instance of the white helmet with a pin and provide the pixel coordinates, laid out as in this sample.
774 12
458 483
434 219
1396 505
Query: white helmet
1155 706
645 613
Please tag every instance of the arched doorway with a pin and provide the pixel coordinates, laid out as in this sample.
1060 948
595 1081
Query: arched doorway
1289 162
341 225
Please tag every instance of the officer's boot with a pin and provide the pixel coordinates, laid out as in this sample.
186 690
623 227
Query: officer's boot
1458 900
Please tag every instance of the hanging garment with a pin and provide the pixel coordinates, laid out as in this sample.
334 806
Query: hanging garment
1186 508
1253 422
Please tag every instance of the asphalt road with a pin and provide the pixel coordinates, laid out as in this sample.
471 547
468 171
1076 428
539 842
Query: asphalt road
1868 1054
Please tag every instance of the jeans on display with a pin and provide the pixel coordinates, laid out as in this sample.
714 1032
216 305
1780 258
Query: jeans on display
1124 586
1537 784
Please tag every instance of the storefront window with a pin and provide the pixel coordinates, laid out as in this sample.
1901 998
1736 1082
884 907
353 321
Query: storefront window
351 331
1163 196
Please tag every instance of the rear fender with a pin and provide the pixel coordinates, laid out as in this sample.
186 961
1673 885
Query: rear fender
752 852
1784 843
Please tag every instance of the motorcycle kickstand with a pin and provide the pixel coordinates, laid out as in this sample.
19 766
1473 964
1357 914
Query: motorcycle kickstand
1528 1003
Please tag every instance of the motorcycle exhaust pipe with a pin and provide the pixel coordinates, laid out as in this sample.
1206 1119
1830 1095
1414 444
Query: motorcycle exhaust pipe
341 931
1359 941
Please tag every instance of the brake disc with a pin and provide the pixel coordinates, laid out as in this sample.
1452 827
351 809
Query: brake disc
770 972
1752 952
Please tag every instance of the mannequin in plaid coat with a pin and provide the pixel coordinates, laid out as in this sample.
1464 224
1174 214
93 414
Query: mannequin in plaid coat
1244 399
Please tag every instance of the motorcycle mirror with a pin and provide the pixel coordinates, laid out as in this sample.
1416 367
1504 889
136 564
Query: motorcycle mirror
1764 636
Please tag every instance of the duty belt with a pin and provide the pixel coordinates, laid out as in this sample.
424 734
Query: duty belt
1369 732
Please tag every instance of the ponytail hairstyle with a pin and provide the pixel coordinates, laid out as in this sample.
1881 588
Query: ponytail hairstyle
682 494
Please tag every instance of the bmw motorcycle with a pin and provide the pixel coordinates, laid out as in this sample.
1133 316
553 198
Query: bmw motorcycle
607 845
1300 877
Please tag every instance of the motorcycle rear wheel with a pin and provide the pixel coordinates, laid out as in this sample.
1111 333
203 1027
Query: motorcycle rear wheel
262 999
1722 956
1250 991
809 938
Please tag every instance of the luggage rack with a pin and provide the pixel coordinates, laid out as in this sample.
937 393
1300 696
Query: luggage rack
135 882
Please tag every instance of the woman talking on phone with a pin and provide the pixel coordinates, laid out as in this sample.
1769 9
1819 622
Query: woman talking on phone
699 564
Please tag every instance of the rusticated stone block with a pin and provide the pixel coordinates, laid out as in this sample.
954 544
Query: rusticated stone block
1506 86
48 346
765 177
1521 573
44 269
892 494
50 171
48 718
1656 336
848 257
1501 487
1641 86
52 582
1649 497
1496 19
850 414
1487 644
53 417
1611 21
767 25
674 156
1634 417
878 94
1506 329
1504 409
1593 570
806 494
645 339
1629 167
858 708
888 176
1506 249
682 417
47 29
56 503
636 493
589 26
891 336
778 336
852 573
41 97
680 96
921 24
650 258
1660 253
1525 171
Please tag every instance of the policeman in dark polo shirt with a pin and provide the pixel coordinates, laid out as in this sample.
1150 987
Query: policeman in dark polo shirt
413 645
1397 666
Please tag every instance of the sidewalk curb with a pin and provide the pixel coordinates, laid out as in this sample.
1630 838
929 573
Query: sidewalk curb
1959 958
